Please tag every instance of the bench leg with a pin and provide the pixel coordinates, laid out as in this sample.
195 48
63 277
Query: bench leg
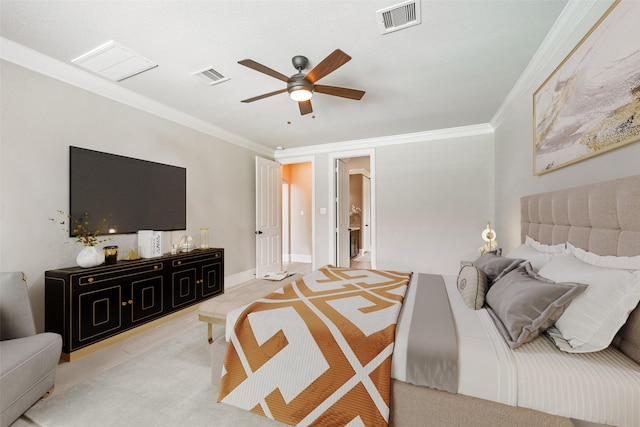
210 333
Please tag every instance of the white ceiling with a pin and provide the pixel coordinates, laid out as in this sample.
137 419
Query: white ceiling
454 69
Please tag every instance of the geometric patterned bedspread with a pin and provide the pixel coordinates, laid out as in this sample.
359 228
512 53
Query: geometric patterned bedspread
317 352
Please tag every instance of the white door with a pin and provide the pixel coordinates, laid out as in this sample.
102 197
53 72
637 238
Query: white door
342 215
268 217
366 214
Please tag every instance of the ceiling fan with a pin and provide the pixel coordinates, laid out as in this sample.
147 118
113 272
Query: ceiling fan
301 86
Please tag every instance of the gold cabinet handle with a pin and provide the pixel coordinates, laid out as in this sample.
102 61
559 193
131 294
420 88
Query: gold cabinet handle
130 301
90 280
155 267
124 303
178 262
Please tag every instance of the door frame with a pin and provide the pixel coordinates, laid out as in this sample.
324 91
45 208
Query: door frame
307 159
371 153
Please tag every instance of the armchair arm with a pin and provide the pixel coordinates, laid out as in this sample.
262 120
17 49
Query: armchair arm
16 317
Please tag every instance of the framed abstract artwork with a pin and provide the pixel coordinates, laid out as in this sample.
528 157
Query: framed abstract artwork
590 104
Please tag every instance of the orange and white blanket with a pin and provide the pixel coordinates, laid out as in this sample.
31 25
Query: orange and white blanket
317 351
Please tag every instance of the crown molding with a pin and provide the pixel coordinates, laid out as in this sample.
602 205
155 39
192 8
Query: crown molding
43 64
408 138
552 46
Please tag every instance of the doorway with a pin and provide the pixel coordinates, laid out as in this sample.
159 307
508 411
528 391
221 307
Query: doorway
360 212
359 208
297 215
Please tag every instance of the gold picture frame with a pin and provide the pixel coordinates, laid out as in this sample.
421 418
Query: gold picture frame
590 104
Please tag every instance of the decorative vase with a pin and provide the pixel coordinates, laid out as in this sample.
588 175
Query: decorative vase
186 244
90 257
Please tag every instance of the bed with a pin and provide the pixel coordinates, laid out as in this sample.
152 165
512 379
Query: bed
502 379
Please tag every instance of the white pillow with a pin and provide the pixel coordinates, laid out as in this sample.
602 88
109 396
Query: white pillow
560 248
536 253
624 262
594 317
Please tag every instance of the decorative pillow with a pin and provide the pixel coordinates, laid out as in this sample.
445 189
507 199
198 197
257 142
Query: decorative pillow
536 253
621 262
523 304
495 266
591 322
472 285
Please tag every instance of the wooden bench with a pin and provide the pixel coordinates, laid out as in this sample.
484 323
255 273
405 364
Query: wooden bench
215 310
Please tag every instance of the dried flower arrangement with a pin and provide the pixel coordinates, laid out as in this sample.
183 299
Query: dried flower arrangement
81 229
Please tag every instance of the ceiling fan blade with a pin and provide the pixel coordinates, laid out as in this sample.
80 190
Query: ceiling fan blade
266 95
339 91
335 60
305 107
263 69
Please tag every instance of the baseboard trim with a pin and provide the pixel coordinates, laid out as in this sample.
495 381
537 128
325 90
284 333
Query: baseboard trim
239 278
301 258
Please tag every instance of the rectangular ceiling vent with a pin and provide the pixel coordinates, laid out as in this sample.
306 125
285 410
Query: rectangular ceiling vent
211 76
399 17
114 61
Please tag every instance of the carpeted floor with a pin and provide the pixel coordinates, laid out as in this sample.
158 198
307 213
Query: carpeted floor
169 385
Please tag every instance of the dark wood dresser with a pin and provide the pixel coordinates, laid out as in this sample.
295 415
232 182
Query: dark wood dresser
94 307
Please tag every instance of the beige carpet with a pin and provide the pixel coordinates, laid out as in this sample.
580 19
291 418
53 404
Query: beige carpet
169 385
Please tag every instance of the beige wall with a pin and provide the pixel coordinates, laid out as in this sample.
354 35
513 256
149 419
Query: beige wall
433 201
40 118
514 146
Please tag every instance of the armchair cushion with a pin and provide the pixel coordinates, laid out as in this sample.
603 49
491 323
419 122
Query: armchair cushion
29 360
28 371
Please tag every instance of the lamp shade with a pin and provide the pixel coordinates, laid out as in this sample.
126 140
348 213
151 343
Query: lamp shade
302 94
299 88
488 234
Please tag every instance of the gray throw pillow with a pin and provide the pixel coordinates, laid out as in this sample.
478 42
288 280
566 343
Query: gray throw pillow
473 286
495 266
523 304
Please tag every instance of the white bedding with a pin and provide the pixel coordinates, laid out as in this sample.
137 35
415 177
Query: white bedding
484 360
601 387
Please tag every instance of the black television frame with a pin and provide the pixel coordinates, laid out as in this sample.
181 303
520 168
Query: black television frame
130 194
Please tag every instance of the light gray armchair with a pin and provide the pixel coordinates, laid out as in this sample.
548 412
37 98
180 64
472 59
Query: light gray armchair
28 360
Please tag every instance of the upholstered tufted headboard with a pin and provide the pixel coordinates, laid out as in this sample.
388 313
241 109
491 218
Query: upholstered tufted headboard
603 218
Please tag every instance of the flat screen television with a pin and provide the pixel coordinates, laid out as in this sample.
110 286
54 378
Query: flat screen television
130 194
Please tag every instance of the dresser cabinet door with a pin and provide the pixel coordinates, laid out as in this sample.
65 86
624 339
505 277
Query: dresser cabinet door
212 276
146 299
99 313
183 285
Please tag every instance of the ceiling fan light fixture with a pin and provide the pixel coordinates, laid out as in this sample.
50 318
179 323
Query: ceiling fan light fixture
300 94
299 88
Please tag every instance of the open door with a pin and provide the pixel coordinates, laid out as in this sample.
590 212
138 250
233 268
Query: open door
366 214
343 247
268 217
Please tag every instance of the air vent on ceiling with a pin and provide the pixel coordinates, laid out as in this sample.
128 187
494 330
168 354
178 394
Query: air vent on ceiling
210 76
399 17
114 61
